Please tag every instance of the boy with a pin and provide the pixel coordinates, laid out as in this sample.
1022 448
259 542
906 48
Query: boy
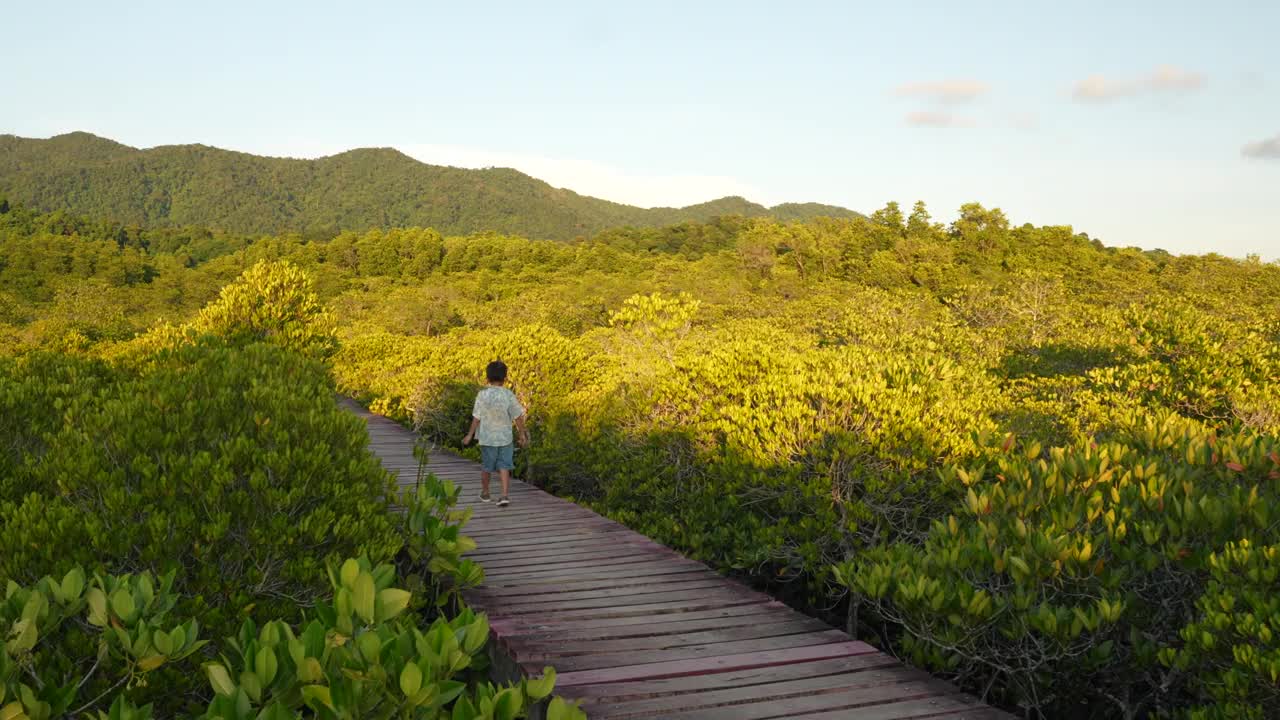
495 409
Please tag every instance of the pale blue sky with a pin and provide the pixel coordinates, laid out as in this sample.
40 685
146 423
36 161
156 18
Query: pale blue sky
1154 124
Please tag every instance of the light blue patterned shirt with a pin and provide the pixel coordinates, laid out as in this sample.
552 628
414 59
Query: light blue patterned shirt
496 408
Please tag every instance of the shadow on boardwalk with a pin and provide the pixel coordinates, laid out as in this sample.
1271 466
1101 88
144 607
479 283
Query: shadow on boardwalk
635 630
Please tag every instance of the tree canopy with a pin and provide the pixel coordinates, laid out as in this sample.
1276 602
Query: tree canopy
356 190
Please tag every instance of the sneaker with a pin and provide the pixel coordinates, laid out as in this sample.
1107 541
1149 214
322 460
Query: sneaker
503 501
485 497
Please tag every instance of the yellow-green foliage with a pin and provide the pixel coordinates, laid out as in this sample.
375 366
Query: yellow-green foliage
1083 570
1232 648
361 655
875 417
216 459
270 302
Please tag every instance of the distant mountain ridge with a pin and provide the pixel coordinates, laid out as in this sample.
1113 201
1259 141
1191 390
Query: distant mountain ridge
358 189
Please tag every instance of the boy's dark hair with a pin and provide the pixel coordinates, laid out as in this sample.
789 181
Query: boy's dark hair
496 371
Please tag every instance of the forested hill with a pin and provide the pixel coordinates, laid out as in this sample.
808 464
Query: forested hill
359 189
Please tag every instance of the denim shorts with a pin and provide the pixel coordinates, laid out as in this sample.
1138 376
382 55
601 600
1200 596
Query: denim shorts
497 457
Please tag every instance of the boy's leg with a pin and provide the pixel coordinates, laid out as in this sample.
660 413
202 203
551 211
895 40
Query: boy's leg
487 466
505 464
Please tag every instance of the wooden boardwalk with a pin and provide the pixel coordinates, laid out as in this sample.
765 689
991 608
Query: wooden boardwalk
635 630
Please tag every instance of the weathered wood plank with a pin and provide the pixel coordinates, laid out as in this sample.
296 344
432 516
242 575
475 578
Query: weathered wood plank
558 594
850 667
651 567
532 557
624 598
655 608
537 626
774 693
603 564
669 639
886 702
709 666
950 707
594 661
499 589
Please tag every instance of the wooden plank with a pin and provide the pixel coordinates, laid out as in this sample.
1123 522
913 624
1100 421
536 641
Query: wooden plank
632 611
582 567
631 626
499 523
501 562
658 641
708 666
656 608
534 556
615 577
623 600
557 594
607 577
490 536
534 535
504 523
530 515
497 589
619 562
642 689
885 702
948 707
551 543
512 515
571 663
720 696
660 566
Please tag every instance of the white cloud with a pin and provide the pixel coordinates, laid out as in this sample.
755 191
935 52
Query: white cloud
1268 149
945 91
932 118
1164 79
1023 120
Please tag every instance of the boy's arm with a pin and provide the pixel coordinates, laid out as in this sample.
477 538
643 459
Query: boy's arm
524 431
475 425
518 415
